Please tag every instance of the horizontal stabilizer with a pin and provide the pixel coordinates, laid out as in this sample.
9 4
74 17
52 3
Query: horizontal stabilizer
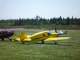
25 39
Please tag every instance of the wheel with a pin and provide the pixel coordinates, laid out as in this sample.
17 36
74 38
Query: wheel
2 39
42 42
55 43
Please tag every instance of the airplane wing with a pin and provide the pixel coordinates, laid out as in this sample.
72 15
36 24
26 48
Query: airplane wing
57 38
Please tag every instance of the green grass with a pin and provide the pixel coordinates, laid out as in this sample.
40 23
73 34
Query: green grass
65 50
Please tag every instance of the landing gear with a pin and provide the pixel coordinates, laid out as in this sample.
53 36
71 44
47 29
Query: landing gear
22 42
9 39
56 43
42 41
2 39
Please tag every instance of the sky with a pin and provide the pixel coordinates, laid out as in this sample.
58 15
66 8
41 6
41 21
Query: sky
12 9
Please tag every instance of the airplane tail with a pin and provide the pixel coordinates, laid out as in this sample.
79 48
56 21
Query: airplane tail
23 37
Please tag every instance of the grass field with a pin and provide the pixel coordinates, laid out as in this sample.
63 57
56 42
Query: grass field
65 50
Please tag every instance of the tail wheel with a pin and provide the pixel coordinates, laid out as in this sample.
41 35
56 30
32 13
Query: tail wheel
55 42
22 42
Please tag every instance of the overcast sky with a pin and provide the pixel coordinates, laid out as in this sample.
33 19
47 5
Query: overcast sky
11 9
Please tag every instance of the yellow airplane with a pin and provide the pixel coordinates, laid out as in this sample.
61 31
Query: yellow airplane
41 36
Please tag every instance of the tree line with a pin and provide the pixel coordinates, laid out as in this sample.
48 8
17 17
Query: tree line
38 21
